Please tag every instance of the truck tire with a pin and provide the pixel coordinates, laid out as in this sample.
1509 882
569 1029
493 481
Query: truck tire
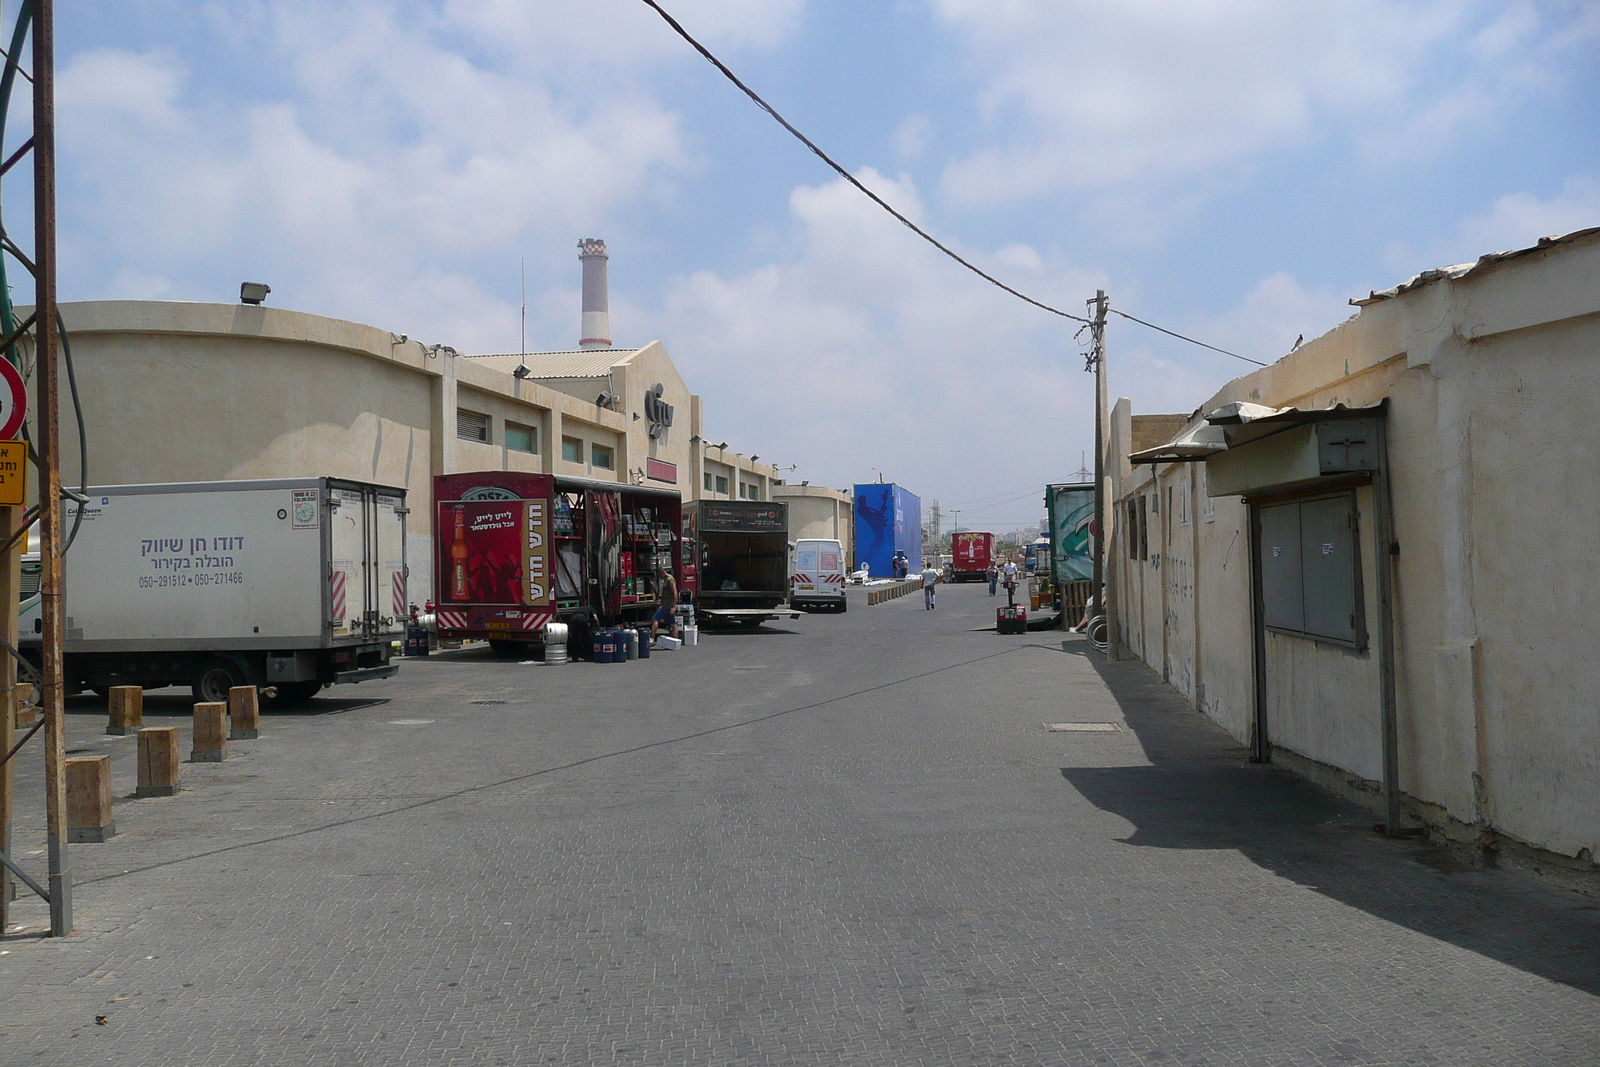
214 678
844 605
296 692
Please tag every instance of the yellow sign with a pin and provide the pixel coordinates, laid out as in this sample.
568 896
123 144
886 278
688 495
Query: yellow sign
13 473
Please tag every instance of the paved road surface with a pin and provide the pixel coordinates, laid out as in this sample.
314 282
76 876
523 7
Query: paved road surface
846 840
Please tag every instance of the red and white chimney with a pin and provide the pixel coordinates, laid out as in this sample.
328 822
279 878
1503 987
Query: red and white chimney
596 331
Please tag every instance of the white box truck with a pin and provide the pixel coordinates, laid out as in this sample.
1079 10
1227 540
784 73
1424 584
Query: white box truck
296 583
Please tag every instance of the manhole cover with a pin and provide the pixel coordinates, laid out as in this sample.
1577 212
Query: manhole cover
486 702
410 722
1082 727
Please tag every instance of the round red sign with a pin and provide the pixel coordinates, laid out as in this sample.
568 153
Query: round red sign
13 401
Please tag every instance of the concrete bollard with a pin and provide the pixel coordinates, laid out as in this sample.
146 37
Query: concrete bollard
244 713
127 710
89 799
158 761
210 733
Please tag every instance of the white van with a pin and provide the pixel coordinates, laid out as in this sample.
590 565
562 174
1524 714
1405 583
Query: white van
818 577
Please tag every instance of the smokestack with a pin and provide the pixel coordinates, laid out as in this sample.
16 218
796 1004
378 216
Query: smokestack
596 305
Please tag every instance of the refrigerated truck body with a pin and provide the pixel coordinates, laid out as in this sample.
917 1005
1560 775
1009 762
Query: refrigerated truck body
515 551
970 556
888 520
744 561
295 583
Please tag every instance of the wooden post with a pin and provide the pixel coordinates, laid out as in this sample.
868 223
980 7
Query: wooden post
89 799
244 713
158 761
127 710
210 733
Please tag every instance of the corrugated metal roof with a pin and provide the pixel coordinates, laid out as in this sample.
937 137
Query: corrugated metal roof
1461 270
585 363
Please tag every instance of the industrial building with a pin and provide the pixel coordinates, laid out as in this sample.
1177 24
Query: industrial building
1373 560
816 511
175 391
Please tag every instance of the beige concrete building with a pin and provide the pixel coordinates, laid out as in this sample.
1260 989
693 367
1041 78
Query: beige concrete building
178 391
1374 559
817 511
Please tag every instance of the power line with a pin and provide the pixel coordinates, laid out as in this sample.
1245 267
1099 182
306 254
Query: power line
1179 336
846 175
677 28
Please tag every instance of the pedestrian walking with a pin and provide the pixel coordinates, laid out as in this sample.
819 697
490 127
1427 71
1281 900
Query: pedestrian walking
929 578
994 577
667 588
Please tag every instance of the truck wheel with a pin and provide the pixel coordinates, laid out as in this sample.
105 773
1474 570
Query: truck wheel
844 605
214 678
297 692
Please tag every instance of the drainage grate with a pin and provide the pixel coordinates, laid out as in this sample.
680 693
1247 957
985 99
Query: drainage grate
486 702
1082 727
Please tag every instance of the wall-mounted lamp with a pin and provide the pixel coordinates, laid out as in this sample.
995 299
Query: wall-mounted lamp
521 372
754 458
253 292
723 445
606 398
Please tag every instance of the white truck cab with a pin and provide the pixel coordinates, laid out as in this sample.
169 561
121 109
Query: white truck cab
817 580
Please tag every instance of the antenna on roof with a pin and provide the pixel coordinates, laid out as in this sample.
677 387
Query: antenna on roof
522 351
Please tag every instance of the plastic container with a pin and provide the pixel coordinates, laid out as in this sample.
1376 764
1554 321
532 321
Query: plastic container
691 635
605 646
630 639
668 643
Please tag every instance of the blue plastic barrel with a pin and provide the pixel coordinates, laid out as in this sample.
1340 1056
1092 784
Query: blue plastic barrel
603 647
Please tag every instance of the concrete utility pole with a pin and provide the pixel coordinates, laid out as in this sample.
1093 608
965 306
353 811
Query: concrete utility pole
1097 362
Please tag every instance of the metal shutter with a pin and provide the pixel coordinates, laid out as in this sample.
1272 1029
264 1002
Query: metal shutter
471 426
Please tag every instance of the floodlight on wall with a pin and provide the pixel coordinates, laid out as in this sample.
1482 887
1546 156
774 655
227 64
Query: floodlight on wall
723 445
521 372
253 292
754 458
606 398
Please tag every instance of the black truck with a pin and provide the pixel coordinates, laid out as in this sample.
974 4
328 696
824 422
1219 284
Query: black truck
743 576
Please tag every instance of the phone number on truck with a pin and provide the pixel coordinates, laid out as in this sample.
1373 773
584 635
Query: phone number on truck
175 581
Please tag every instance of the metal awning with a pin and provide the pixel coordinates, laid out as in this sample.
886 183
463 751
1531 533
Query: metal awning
1239 423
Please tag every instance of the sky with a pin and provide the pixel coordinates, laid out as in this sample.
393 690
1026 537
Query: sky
1235 171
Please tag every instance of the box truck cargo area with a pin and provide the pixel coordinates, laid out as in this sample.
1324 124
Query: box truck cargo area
296 583
744 561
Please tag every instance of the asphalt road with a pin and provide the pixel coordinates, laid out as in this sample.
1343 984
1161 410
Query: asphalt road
845 840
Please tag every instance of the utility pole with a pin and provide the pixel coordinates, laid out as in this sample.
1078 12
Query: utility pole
1097 362
49 446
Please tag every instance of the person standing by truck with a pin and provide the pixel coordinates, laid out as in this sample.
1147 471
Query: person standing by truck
667 590
993 576
929 578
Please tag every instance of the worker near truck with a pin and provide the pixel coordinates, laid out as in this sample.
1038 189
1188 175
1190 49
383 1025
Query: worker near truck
929 578
667 587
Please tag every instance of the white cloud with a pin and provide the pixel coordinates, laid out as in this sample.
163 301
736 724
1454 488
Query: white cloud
868 349
1519 219
912 136
1133 98
372 185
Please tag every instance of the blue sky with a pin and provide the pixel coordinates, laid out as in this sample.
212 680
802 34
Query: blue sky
1232 170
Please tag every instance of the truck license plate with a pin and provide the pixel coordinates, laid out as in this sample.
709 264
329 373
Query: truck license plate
495 625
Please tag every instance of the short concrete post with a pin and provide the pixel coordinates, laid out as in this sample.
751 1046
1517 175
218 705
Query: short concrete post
244 713
89 799
210 733
127 710
158 761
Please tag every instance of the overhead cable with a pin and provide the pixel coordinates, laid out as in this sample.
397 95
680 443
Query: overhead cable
845 174
677 28
1181 337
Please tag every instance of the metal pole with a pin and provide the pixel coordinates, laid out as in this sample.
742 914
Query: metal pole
8 697
1100 416
1388 549
48 444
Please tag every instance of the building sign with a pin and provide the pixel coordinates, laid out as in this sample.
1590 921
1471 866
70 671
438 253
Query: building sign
734 517
657 412
659 470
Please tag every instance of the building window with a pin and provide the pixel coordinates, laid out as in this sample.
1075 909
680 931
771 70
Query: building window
471 426
722 484
1144 526
1132 534
708 481
1310 570
600 456
520 438
572 449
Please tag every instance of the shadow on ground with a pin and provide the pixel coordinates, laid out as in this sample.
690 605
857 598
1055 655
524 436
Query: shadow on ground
1203 793
179 703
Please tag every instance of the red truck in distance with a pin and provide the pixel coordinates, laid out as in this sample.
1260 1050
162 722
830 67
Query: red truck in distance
971 554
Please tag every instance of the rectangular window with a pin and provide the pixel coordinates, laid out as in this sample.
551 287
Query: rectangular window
1168 539
1131 534
572 449
1144 526
722 484
471 426
1183 509
600 456
520 438
1310 569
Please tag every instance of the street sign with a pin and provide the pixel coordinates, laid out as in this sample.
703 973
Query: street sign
13 401
13 471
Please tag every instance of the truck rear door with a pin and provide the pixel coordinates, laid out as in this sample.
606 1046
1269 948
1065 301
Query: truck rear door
351 595
390 537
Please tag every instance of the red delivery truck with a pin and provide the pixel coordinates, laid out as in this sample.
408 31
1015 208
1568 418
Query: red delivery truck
971 554
515 551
